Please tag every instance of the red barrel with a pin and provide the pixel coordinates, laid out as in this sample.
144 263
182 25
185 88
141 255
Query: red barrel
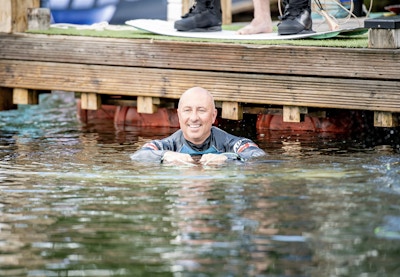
338 122
162 118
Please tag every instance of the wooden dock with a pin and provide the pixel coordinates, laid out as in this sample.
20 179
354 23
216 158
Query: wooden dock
238 75
243 77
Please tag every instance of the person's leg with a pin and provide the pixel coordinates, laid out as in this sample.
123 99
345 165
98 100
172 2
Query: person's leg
204 16
296 18
262 22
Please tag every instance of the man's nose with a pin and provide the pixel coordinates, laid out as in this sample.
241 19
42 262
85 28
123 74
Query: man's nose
194 116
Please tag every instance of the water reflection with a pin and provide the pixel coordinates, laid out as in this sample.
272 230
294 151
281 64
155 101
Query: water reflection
217 230
73 204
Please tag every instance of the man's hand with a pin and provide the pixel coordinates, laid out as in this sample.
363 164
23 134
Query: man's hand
213 159
177 158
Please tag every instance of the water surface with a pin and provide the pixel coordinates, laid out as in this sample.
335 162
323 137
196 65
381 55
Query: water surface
73 204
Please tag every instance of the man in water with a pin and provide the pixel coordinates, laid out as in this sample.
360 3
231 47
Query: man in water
197 136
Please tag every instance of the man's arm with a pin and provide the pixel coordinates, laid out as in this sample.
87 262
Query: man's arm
252 152
176 158
247 149
243 147
163 150
150 152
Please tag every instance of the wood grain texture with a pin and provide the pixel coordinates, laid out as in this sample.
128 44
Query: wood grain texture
384 38
249 75
280 59
253 88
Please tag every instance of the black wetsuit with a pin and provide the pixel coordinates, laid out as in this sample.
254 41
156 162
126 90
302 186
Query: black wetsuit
219 142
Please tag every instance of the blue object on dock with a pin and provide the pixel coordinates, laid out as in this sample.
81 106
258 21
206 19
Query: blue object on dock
83 16
82 11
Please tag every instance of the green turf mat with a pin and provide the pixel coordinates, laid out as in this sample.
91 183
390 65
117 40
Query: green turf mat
360 41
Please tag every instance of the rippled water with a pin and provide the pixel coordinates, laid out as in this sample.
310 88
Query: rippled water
73 204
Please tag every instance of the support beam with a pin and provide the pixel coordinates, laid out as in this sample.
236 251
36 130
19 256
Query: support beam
25 96
13 14
90 101
385 119
293 113
232 110
147 104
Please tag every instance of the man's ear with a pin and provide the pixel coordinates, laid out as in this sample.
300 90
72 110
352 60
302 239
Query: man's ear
179 115
215 115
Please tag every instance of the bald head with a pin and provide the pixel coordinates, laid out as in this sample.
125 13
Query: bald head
197 93
196 113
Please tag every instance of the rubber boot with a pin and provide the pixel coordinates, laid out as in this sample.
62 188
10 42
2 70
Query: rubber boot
296 18
203 16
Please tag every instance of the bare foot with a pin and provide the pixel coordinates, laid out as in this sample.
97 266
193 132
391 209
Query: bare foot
256 27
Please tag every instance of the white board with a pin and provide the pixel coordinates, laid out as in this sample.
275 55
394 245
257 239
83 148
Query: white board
166 28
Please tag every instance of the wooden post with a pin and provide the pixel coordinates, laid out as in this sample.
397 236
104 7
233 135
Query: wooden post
384 38
232 110
147 104
384 32
226 6
90 101
25 96
293 113
385 119
38 19
13 14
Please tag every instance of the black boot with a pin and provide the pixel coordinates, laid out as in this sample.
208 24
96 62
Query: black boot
204 16
296 18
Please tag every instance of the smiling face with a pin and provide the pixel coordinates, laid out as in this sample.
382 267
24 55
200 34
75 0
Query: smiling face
196 113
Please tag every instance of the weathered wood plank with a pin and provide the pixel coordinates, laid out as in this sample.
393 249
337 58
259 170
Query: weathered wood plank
295 60
342 93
